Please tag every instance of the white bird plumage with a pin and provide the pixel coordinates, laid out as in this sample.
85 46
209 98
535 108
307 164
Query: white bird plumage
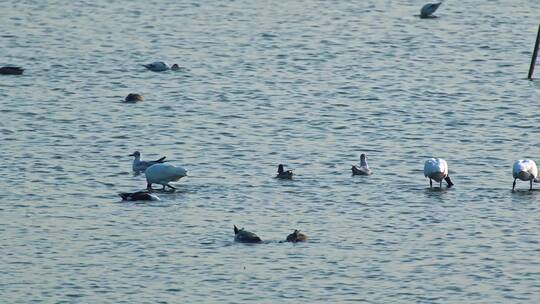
163 174
428 9
364 167
160 66
525 170
437 169
140 166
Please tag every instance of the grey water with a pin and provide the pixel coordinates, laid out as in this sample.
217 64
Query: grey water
310 84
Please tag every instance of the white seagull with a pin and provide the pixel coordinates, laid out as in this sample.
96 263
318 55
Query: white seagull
525 170
161 66
163 174
437 169
428 9
363 169
140 166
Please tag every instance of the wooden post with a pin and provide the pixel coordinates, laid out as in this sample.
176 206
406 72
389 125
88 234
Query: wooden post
535 54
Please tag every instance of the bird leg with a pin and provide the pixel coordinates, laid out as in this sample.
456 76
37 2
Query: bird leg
530 189
170 187
440 184
149 187
514 185
430 183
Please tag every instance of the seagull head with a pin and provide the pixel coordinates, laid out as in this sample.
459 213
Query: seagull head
175 67
135 154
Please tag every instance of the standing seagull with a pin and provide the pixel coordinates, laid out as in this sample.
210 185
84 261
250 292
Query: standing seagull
428 9
163 174
139 165
437 169
363 169
161 66
525 170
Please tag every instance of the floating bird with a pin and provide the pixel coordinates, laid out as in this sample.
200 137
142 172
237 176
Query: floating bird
139 196
161 66
243 236
133 97
11 70
428 9
284 174
163 174
525 170
141 166
437 169
296 236
363 169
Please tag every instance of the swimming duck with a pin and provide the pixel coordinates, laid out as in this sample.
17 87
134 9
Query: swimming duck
163 174
243 236
525 170
284 174
133 97
437 169
139 196
363 169
428 9
141 166
161 66
296 236
11 70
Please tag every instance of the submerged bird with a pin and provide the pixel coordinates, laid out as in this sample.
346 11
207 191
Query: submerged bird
428 9
284 174
296 236
163 174
134 97
11 70
243 236
525 170
160 66
363 169
139 196
141 166
437 169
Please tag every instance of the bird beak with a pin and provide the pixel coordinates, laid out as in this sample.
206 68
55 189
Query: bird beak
131 155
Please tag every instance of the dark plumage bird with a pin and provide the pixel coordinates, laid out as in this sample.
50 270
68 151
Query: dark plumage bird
11 70
281 173
139 196
428 10
243 236
296 236
133 97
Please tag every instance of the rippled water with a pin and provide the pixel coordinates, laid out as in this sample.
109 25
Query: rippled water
311 84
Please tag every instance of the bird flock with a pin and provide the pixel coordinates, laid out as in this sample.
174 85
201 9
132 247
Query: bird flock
162 173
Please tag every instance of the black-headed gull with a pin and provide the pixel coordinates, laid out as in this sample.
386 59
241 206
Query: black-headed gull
363 169
140 166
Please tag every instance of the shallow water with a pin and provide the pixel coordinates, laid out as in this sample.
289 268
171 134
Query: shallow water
310 84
